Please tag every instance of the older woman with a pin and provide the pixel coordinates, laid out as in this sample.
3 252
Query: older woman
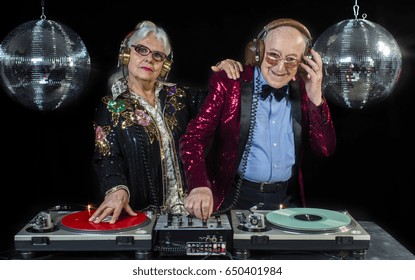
138 126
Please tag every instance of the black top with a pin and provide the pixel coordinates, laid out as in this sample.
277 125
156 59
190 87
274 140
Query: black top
127 150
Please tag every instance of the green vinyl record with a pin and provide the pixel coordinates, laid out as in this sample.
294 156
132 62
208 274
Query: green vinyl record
309 220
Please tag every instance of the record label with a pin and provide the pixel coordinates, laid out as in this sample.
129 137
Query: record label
308 219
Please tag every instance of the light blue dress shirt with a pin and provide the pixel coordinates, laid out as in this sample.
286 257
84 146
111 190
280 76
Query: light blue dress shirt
272 152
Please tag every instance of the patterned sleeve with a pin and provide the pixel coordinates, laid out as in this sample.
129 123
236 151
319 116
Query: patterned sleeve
107 160
320 130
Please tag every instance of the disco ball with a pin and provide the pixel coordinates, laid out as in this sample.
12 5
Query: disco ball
362 63
44 65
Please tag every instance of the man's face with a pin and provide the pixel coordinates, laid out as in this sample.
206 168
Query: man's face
284 48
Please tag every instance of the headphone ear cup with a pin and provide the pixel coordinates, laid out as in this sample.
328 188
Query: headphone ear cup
254 52
260 51
124 56
165 69
250 51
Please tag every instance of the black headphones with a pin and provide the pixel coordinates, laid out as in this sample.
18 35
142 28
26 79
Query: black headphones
124 57
254 50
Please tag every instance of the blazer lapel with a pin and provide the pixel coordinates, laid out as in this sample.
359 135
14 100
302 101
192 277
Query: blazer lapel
246 104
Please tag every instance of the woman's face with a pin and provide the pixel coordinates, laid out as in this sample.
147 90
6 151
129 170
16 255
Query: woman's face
146 67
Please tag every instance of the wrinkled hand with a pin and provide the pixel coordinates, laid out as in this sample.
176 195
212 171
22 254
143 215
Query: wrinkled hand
313 76
199 203
113 205
230 66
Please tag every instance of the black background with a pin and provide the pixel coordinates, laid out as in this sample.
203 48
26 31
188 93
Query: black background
46 156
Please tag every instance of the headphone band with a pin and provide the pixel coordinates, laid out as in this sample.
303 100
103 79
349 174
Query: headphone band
254 50
124 56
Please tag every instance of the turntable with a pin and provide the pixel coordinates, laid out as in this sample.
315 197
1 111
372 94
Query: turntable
71 231
309 229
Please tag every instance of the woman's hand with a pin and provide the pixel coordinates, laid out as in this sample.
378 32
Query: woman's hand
113 205
230 66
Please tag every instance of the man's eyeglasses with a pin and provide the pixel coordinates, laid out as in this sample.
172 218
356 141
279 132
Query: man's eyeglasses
144 51
290 62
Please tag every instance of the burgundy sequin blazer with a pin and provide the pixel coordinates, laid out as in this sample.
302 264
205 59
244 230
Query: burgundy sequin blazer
213 143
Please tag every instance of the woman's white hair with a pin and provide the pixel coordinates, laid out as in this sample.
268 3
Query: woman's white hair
117 81
143 29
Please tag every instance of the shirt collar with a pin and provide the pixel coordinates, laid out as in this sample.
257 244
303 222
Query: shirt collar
258 74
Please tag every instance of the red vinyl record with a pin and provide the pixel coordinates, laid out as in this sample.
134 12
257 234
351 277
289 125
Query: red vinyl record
78 221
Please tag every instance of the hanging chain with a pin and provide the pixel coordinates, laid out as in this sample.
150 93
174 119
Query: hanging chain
356 11
42 3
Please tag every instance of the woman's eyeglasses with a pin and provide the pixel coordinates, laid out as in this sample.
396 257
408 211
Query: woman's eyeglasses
144 51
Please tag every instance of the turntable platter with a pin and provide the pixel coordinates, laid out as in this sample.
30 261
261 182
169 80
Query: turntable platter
309 220
78 221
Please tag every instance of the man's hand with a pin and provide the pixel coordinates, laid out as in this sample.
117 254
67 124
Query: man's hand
199 203
313 76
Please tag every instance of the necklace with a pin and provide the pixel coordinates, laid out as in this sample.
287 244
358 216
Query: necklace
141 98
